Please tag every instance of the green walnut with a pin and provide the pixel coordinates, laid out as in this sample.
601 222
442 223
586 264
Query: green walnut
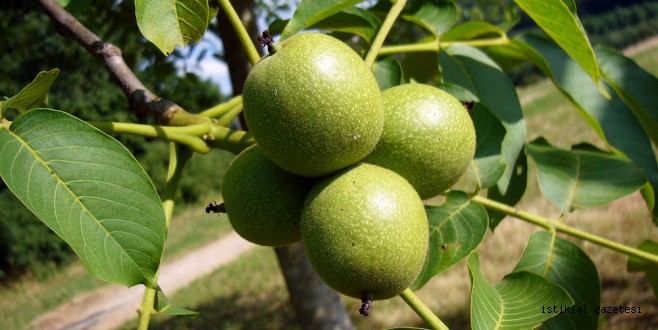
263 202
313 106
365 232
428 138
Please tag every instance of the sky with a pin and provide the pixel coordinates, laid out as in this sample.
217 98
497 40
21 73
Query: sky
210 67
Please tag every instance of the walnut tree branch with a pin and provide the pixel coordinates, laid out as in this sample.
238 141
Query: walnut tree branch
140 99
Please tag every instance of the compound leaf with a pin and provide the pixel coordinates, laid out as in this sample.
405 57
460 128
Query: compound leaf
171 23
515 302
611 119
90 190
583 177
568 266
456 228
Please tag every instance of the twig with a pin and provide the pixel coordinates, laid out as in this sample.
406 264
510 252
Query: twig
141 100
422 310
393 14
550 224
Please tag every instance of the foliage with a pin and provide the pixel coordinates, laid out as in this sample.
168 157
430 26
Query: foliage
34 46
466 58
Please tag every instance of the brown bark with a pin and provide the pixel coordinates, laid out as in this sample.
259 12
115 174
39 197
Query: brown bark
234 54
141 100
317 306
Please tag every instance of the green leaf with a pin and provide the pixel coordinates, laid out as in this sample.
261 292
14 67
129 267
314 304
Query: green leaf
558 19
171 23
583 177
436 16
89 190
456 228
636 87
34 95
473 70
611 119
353 21
388 72
459 92
567 265
421 67
517 186
514 303
472 30
489 135
162 306
309 13
639 265
506 57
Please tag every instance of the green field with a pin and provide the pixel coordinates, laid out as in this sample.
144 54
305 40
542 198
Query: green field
250 293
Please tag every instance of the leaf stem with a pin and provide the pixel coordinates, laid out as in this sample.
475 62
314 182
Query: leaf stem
422 310
222 108
189 136
146 309
500 41
228 117
433 46
393 14
241 31
429 46
178 157
550 224
230 140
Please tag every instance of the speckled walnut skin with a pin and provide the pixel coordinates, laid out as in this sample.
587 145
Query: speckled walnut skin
262 201
428 137
313 106
365 232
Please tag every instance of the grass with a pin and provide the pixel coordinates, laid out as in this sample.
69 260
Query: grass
23 301
246 294
250 293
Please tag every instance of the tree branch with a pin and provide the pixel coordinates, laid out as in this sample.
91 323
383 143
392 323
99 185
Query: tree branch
140 99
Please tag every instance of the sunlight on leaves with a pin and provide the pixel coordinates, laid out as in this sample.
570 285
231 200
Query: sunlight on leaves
568 266
583 176
172 23
456 228
310 12
516 302
34 95
89 189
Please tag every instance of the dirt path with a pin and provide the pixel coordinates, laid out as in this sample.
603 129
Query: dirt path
110 307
